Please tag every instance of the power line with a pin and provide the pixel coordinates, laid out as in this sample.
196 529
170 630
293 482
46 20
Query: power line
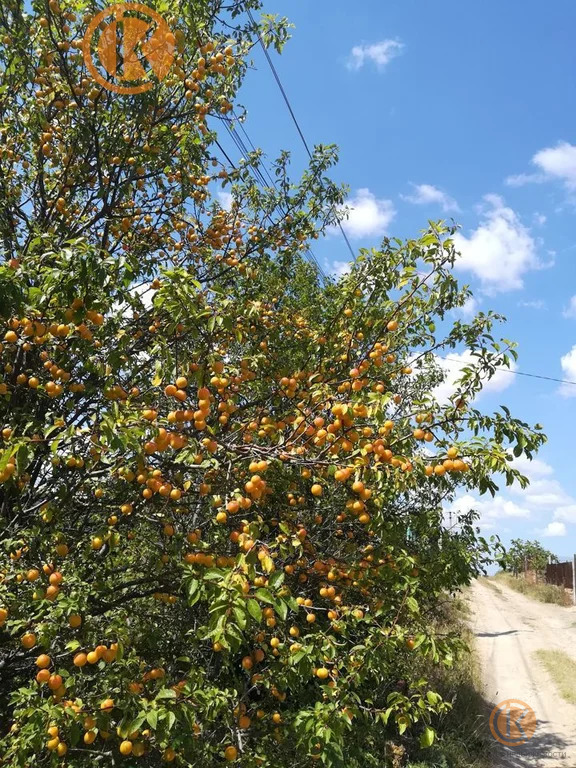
293 116
305 143
517 373
257 173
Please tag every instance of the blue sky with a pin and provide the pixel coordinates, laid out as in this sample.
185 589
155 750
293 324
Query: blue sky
466 110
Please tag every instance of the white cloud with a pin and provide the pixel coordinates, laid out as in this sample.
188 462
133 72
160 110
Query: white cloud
568 363
543 495
539 219
491 510
533 469
554 529
453 365
544 490
521 179
144 293
500 251
558 162
427 194
468 309
380 53
553 163
340 268
536 304
225 199
570 310
367 215
567 512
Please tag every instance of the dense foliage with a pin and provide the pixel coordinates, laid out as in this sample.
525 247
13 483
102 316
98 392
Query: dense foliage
522 555
222 476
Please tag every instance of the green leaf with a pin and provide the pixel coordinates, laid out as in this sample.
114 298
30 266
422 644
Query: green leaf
281 609
254 610
240 617
169 721
166 693
427 737
276 579
265 596
152 718
412 604
193 591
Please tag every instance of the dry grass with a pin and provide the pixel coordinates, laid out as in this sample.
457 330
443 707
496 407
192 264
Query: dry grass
543 593
463 732
562 670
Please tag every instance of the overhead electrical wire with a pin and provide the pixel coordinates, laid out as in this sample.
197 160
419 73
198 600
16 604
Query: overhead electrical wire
517 373
293 116
258 175
307 148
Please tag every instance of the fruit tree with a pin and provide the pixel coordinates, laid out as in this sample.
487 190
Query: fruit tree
222 477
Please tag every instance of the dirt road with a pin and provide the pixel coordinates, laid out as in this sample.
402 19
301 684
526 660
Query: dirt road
509 628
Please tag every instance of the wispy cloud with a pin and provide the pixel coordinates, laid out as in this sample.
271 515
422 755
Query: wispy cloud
568 364
521 179
453 365
570 310
535 304
428 194
380 54
553 163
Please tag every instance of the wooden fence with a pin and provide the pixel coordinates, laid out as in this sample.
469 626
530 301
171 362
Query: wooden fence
560 574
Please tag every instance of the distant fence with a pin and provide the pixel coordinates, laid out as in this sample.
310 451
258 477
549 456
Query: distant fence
560 574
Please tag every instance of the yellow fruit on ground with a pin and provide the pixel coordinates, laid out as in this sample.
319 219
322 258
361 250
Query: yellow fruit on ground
230 754
43 661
